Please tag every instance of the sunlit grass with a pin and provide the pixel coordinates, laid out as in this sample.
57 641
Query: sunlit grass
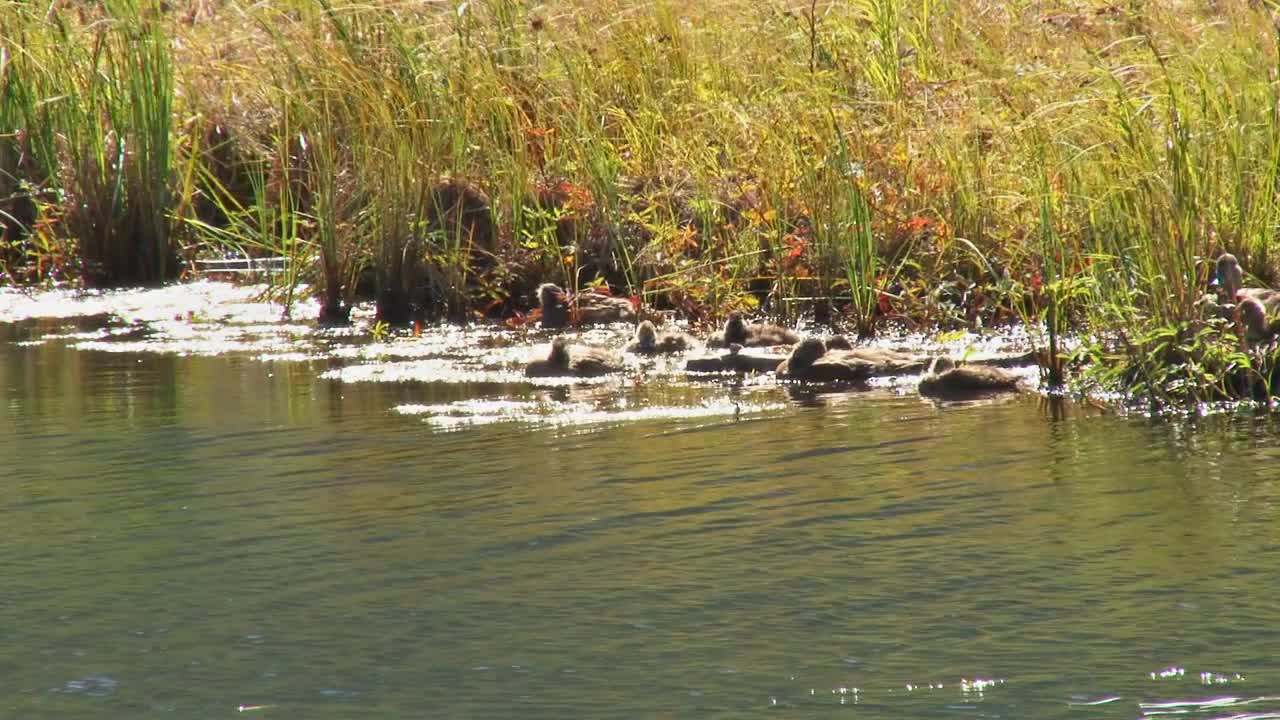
960 163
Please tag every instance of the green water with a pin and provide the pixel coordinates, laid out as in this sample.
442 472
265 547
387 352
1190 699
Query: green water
186 535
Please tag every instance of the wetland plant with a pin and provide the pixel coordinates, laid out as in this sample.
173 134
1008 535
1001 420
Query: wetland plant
931 164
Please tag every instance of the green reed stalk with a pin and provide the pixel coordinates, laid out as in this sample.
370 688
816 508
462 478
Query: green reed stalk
111 101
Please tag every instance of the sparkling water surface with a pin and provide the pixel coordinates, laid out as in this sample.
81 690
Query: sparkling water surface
210 512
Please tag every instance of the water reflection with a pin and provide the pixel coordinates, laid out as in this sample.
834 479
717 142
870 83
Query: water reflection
189 534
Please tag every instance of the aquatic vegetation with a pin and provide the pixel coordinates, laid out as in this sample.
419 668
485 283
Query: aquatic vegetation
89 115
861 163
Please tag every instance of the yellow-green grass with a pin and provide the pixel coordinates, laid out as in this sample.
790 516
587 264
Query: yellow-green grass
1078 164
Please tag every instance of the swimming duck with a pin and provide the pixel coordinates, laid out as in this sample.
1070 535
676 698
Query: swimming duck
648 341
581 362
811 360
738 330
585 308
944 379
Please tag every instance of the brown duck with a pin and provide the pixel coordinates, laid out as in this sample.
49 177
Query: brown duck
559 309
580 362
647 341
738 330
946 380
1253 318
1231 285
811 360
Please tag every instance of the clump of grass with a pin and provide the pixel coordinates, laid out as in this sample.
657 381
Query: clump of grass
99 97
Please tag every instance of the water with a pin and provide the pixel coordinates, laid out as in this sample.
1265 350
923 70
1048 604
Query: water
276 522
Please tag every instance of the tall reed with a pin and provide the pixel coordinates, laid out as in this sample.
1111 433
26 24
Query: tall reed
106 101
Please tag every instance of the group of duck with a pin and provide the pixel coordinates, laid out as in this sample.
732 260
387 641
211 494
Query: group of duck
774 348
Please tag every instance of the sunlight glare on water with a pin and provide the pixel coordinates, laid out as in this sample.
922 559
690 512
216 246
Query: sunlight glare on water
211 511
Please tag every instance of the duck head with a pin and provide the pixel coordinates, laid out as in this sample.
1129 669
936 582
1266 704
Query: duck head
735 328
805 354
550 295
646 336
839 342
1229 276
940 364
554 304
559 356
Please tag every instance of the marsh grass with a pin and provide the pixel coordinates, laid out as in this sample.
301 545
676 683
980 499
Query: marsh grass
95 105
957 163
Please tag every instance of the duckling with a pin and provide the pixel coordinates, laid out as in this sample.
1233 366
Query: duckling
946 380
811 360
885 360
582 362
647 340
587 308
555 305
737 330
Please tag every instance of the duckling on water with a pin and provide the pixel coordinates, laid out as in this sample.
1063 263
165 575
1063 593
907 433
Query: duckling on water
811 360
581 362
737 330
589 308
839 342
886 360
648 341
946 380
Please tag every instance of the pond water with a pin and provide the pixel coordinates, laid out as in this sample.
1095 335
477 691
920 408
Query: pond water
208 512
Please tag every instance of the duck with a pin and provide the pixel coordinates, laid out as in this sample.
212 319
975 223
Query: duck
580 362
1253 319
1230 282
811 360
559 309
946 380
648 341
738 330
